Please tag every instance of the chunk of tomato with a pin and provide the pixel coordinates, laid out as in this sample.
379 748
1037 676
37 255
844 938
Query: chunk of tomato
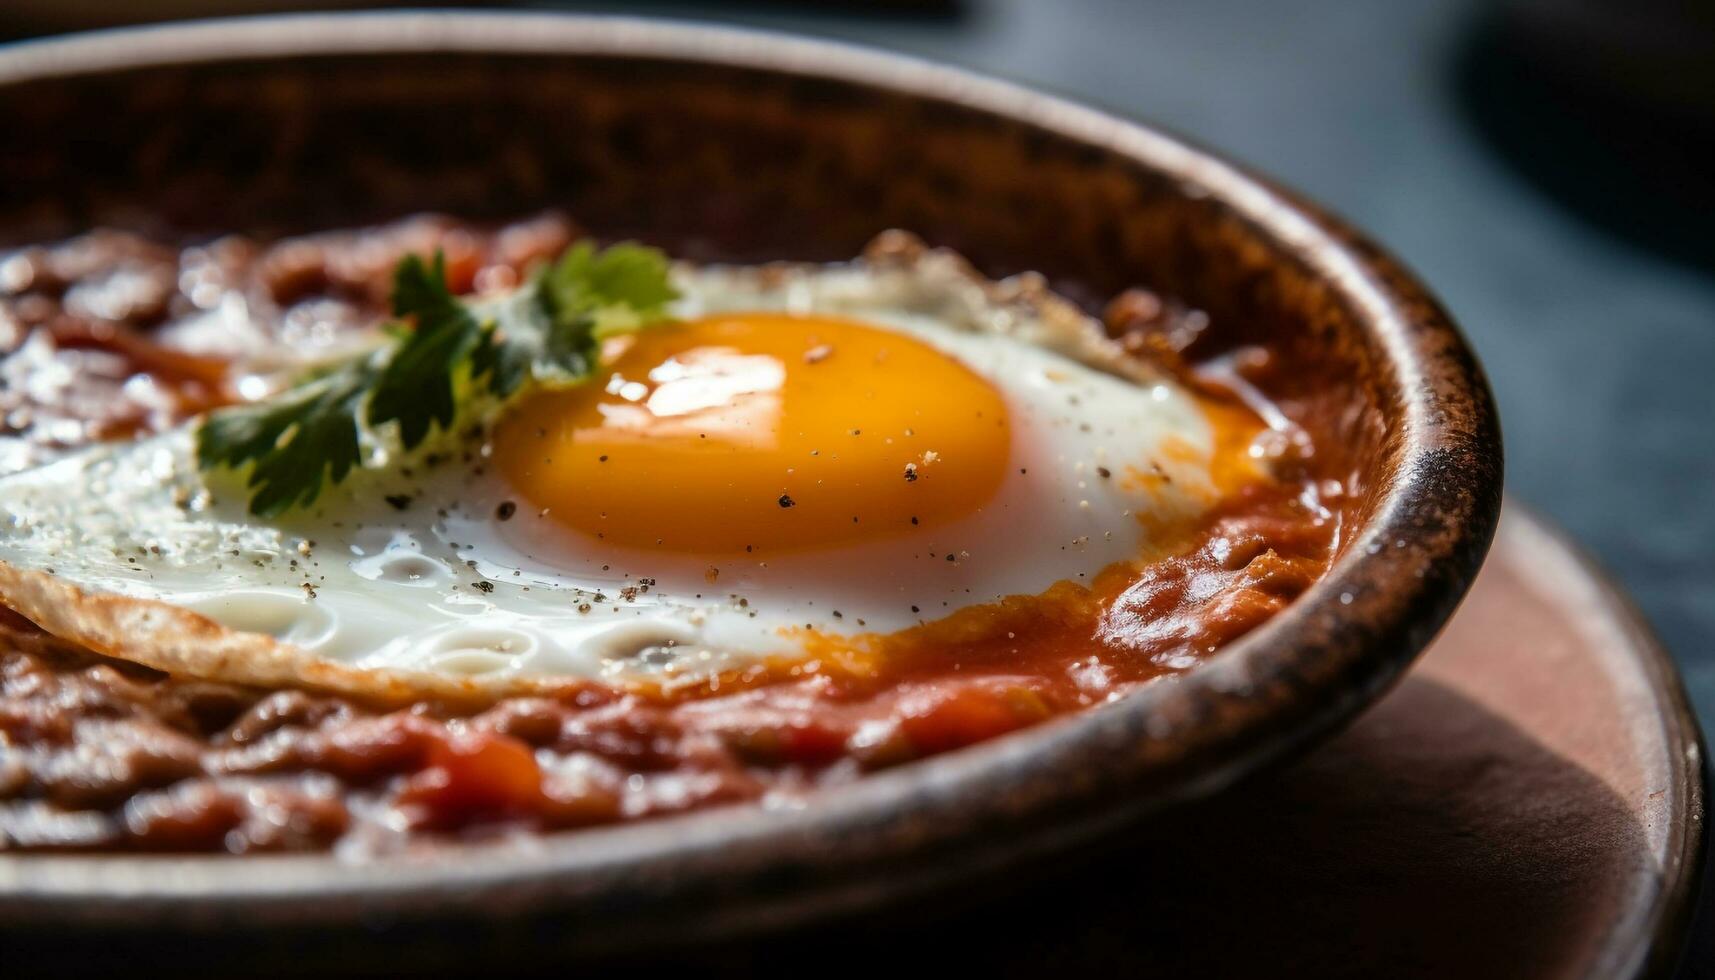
969 715
470 775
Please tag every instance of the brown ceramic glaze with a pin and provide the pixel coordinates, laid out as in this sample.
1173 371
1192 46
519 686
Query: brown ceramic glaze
723 144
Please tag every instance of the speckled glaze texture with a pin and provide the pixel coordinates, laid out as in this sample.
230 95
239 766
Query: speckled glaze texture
721 144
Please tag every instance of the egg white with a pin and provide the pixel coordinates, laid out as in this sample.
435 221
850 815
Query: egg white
433 586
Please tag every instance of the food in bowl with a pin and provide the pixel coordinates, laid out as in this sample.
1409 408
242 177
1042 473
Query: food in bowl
372 539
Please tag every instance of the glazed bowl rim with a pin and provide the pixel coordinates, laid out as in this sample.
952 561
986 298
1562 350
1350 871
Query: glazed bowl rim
931 804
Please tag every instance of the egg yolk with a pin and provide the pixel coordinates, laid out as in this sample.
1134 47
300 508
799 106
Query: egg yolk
760 433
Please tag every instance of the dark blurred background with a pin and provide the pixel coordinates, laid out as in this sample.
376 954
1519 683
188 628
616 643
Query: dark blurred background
1548 166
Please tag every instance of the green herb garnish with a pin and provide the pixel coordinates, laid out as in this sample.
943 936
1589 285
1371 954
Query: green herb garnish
548 332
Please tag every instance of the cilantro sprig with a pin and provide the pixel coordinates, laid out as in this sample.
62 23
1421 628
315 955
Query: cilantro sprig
446 354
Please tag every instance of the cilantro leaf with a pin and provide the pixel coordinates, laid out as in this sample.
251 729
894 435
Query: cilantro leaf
548 332
553 330
415 387
619 286
505 365
298 441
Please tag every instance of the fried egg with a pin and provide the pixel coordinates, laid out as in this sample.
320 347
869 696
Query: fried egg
841 451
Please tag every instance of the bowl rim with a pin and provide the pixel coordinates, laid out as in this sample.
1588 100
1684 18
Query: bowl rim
902 815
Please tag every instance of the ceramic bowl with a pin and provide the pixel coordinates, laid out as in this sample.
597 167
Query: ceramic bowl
720 143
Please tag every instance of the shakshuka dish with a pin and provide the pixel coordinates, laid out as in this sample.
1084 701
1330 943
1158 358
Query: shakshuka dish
376 539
